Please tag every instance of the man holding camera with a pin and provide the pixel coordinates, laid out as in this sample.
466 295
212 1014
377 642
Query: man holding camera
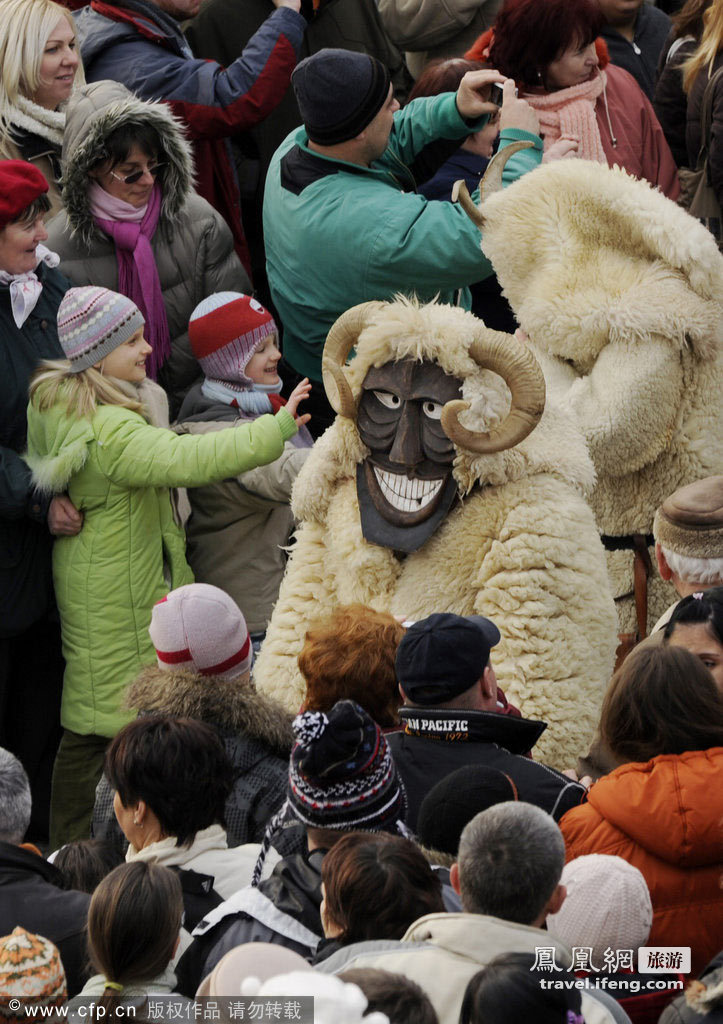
343 222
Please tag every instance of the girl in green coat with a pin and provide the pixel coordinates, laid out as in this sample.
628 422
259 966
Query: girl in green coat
89 436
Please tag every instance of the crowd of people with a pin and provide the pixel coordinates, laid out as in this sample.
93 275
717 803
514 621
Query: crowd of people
200 209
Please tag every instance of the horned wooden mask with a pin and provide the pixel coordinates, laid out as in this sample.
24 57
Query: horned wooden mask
407 415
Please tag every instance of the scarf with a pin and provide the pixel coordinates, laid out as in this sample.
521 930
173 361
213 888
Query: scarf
137 271
48 124
572 112
25 288
253 402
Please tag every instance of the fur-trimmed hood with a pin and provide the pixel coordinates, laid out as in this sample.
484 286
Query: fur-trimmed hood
404 329
93 113
232 705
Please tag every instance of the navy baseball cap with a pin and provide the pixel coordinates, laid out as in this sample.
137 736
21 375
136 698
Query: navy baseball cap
443 655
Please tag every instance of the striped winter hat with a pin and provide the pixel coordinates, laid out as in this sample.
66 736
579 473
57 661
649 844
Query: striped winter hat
225 330
199 627
92 322
342 774
31 972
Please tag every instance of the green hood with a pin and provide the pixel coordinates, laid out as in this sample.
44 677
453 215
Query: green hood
60 445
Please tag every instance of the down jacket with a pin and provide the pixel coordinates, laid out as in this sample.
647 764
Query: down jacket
117 470
192 245
664 817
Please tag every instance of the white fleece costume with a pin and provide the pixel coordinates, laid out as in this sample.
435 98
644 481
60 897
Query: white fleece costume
521 547
621 294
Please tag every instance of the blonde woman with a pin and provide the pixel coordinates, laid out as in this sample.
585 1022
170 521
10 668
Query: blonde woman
697 72
39 66
89 436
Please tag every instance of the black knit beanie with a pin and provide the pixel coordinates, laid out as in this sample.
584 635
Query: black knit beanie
341 773
455 800
339 92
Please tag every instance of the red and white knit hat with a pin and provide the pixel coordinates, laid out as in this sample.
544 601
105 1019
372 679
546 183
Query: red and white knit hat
199 627
225 330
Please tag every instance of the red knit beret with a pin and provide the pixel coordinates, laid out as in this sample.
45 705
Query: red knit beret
21 184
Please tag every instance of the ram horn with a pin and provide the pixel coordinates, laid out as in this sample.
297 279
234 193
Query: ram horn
491 182
522 374
340 340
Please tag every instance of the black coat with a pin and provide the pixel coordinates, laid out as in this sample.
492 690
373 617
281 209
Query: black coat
26 585
670 102
640 58
284 910
692 131
476 737
31 896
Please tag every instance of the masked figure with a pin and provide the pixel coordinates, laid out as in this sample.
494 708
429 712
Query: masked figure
620 293
445 484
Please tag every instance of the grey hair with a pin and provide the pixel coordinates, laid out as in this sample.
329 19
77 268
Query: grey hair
15 801
510 861
694 570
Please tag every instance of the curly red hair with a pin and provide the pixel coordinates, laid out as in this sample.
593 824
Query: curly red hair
350 656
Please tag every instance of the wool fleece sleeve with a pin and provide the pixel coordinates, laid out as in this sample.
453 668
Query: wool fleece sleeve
133 454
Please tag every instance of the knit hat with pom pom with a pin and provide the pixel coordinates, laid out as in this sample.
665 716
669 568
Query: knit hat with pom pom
225 330
342 774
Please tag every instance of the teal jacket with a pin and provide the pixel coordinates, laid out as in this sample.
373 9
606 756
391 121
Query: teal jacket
130 552
337 234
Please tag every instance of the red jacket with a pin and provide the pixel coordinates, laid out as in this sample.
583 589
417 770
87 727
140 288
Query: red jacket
640 146
666 819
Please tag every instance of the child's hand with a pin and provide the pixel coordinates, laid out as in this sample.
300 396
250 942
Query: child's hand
297 396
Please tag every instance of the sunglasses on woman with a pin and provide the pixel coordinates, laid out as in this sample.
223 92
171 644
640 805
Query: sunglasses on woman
131 179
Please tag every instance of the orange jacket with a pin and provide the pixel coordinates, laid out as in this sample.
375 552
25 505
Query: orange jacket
665 818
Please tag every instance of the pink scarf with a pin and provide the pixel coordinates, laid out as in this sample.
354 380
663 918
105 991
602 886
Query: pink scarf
572 112
137 271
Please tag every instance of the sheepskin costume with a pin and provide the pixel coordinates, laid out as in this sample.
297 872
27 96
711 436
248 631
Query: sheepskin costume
520 547
621 294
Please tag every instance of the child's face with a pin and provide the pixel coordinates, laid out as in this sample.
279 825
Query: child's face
128 361
262 366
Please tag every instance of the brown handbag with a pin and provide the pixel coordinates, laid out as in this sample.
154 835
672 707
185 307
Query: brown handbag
698 195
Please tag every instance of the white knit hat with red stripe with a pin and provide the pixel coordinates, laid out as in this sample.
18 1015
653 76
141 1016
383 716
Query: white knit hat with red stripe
199 627
225 330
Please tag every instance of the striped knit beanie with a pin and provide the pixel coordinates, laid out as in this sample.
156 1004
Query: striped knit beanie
199 627
225 330
92 322
342 774
31 974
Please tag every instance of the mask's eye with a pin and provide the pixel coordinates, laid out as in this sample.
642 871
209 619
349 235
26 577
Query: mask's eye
432 409
388 399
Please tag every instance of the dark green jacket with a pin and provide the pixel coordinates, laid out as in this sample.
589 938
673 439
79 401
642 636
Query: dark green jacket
26 588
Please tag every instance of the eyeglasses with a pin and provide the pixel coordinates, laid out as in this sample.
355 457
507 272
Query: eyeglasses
131 179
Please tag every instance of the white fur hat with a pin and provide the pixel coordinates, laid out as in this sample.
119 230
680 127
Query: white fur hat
335 1001
199 627
607 906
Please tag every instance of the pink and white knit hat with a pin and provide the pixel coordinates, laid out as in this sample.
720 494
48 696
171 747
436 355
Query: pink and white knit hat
199 627
92 322
225 330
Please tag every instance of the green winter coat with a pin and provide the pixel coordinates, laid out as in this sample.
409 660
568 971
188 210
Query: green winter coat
337 234
117 470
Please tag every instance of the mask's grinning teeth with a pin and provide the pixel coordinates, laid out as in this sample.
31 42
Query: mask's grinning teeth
405 494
